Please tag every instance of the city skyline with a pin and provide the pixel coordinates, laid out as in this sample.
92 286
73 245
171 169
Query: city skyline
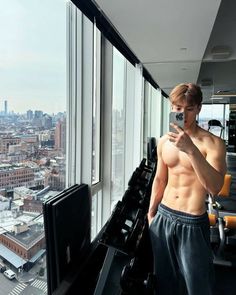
24 112
33 55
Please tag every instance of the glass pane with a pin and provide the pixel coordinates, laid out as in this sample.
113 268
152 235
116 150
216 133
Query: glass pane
118 127
96 107
146 116
219 112
95 214
32 134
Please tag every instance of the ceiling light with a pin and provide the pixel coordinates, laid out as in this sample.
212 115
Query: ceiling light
225 93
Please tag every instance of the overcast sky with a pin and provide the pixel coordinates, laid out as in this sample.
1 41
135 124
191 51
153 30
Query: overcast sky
33 55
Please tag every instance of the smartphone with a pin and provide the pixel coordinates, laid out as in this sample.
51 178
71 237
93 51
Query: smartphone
176 118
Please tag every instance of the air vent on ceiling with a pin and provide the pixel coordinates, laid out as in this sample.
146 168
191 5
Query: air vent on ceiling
225 93
221 52
206 82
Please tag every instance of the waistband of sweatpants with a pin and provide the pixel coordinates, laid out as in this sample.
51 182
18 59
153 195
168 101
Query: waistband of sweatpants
182 216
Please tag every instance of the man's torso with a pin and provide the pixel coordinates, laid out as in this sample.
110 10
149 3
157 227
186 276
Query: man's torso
184 192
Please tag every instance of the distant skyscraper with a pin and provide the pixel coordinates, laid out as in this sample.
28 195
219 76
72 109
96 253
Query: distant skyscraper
37 121
47 121
60 135
5 107
38 114
29 115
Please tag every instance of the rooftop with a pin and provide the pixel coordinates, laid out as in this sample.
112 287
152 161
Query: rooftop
29 237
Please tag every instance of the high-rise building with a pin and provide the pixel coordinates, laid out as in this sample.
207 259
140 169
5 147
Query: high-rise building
5 107
5 142
60 135
29 115
14 176
47 121
38 114
37 121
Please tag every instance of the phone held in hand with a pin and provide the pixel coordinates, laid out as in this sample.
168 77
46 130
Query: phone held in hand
178 119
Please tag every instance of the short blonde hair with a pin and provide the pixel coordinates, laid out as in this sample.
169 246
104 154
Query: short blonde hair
189 92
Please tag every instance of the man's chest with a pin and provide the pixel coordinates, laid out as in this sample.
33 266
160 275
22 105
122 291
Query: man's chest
172 156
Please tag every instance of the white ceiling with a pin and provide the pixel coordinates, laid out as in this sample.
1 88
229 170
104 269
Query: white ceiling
174 38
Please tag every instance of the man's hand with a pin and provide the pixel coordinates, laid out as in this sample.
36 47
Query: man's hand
150 217
181 140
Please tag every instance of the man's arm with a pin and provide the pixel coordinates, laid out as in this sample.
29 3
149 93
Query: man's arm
210 170
159 183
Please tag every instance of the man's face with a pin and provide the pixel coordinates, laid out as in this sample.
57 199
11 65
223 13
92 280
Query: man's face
190 112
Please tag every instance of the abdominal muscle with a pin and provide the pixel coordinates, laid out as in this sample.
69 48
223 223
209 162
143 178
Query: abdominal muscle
184 193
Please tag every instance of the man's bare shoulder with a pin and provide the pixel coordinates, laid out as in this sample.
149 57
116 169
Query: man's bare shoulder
210 140
162 140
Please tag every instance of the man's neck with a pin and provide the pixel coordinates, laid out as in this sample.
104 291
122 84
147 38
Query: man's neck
192 131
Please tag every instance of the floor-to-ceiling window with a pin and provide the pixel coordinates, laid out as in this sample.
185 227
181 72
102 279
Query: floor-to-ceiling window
96 136
33 123
153 114
118 126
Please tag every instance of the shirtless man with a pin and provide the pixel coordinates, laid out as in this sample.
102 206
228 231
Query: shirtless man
191 163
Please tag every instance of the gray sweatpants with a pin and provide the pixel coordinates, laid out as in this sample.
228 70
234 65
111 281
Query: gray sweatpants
183 260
